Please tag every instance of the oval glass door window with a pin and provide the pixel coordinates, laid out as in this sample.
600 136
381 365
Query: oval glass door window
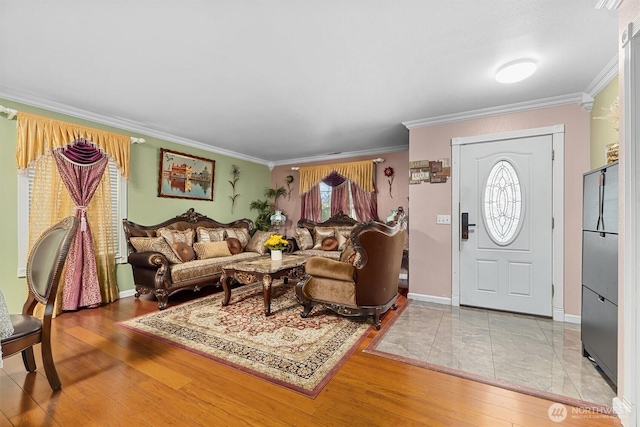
502 203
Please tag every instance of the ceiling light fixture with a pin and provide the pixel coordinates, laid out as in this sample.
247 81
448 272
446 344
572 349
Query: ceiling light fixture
516 71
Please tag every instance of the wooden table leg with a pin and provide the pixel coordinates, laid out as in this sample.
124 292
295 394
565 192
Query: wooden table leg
224 279
266 292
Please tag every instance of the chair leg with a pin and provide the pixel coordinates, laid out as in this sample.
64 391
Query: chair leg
376 318
49 366
28 359
306 310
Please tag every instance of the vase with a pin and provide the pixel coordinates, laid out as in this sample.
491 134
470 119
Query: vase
276 255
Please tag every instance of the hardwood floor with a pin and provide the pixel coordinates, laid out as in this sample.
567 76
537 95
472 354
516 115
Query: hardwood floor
114 377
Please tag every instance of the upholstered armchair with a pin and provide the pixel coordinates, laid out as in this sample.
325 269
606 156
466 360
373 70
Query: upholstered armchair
365 280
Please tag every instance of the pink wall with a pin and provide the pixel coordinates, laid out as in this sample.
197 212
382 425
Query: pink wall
430 244
399 161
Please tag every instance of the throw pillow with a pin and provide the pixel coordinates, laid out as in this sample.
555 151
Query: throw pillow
184 251
329 244
176 236
210 234
155 244
321 233
235 247
350 256
343 234
303 238
347 251
206 250
256 244
172 236
239 233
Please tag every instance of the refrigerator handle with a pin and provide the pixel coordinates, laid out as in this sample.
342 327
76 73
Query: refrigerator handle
600 200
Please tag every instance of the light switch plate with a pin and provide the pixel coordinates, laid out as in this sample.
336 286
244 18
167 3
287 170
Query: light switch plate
443 219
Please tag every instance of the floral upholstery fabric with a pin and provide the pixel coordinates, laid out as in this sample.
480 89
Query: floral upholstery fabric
239 233
210 234
206 267
155 244
303 238
256 244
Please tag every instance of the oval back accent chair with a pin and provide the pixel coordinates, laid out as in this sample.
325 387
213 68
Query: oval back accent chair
365 280
44 270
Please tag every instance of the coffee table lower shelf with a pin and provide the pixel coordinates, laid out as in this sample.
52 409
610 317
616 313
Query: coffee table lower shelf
262 270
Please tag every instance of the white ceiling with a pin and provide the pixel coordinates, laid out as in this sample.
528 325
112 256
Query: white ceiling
293 79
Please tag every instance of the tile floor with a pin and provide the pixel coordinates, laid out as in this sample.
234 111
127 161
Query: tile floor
529 351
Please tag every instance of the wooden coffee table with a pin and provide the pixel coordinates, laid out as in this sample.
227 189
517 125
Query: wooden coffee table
265 270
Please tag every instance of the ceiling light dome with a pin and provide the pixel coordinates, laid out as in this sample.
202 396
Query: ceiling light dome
516 71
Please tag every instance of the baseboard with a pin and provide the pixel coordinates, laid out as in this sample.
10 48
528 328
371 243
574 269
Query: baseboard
558 314
572 318
429 298
128 293
624 411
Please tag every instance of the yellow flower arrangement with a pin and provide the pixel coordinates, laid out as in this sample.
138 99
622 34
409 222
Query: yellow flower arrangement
276 242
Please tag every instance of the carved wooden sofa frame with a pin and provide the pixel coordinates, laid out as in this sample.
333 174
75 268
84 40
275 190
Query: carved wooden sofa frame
151 270
338 220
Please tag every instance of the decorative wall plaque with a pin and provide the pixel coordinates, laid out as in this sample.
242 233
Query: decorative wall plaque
433 171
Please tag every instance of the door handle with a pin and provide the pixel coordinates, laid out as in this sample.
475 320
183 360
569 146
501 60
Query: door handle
464 235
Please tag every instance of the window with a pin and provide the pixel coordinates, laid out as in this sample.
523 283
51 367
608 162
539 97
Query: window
325 202
118 212
502 202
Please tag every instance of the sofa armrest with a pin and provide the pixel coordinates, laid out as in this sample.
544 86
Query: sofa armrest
148 260
329 268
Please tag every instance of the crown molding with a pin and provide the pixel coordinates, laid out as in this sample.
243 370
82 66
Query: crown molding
123 124
325 157
608 73
573 98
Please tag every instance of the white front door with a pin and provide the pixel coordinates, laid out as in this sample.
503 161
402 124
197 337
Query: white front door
506 194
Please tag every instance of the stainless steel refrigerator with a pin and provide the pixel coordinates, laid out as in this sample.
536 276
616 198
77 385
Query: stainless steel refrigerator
600 268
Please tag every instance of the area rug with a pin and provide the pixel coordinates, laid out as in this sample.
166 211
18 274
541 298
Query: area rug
296 353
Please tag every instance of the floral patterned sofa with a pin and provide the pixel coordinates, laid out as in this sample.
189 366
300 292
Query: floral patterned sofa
326 239
187 252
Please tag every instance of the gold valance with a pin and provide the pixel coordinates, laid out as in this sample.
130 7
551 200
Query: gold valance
38 135
359 172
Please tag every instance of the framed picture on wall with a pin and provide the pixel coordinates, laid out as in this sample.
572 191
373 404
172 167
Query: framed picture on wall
185 176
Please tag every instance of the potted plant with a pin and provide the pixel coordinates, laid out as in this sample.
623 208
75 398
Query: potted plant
266 208
276 244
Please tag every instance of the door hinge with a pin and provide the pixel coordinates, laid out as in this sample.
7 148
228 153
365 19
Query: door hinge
553 290
553 154
553 223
